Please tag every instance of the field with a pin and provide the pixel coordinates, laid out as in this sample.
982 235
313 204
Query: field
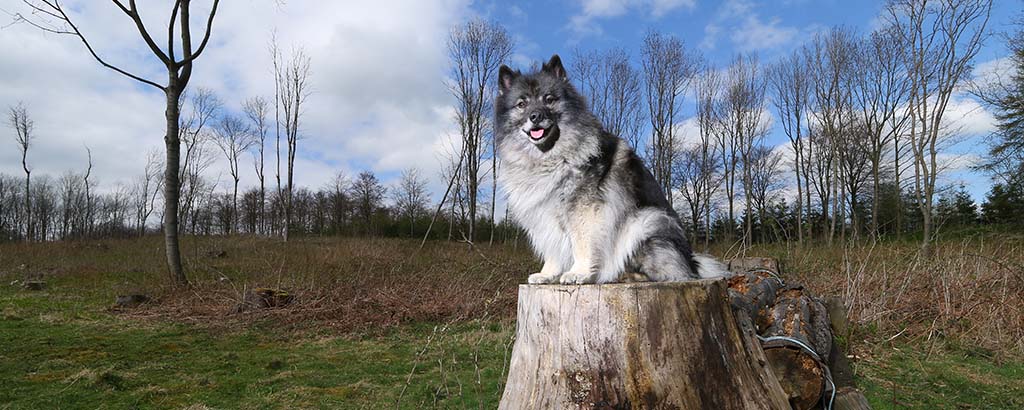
379 324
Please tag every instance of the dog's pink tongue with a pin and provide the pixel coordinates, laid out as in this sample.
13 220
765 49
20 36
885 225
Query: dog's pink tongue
536 133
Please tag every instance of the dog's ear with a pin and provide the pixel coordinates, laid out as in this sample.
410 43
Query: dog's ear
505 78
554 67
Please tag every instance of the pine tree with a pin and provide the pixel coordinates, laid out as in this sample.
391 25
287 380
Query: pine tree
1004 204
1007 98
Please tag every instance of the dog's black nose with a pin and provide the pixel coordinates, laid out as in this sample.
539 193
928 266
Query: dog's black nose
536 116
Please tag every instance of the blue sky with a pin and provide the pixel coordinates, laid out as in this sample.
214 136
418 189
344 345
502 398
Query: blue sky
379 101
721 29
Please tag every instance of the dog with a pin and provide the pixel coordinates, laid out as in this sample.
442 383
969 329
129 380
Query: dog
593 211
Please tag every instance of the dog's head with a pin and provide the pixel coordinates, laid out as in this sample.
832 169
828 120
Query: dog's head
535 107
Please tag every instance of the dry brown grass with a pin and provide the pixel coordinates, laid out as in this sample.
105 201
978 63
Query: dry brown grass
344 284
969 292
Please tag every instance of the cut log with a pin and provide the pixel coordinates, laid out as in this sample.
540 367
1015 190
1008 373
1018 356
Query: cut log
797 322
848 397
636 346
747 264
838 316
753 293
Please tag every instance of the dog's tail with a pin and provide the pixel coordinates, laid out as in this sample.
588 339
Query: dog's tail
708 266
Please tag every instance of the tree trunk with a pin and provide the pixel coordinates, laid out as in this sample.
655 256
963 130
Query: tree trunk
28 202
171 184
639 345
234 208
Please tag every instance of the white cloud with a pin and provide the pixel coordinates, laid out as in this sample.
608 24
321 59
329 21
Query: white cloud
967 117
378 100
584 23
953 162
993 72
749 31
753 34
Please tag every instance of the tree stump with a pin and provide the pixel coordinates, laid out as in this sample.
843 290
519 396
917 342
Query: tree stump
636 346
743 265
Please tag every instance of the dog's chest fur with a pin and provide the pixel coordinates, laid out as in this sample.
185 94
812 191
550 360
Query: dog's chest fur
546 192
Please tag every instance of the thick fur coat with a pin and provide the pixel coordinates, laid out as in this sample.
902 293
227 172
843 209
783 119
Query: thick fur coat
593 211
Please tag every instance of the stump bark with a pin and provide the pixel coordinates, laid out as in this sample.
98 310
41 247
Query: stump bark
636 346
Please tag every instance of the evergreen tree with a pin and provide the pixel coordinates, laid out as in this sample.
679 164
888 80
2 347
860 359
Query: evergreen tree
1004 204
957 208
1007 98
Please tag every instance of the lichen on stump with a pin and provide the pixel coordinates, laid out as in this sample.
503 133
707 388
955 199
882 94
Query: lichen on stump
636 346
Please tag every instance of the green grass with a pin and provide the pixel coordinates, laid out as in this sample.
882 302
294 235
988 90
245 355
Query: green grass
907 378
442 343
58 353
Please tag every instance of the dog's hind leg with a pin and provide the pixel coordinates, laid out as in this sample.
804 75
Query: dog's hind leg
660 259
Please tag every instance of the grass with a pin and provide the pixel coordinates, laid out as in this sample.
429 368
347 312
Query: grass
60 354
377 326
904 377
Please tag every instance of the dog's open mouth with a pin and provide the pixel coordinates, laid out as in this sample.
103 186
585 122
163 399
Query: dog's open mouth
537 134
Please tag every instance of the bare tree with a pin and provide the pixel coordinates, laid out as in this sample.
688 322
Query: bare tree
668 70
765 181
368 194
233 139
256 110
831 55
709 124
696 173
790 83
146 189
23 125
51 16
744 110
475 50
612 86
203 107
294 90
941 39
411 197
88 192
880 90
275 54
854 147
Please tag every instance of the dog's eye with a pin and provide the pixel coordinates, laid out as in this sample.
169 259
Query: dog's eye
548 99
521 104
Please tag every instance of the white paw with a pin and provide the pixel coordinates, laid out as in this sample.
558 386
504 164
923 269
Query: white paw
578 278
542 278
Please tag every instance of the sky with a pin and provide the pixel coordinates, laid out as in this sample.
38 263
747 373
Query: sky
378 97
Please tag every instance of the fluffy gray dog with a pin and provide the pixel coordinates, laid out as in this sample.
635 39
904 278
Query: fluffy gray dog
594 213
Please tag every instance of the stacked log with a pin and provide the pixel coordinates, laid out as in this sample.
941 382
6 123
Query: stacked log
797 334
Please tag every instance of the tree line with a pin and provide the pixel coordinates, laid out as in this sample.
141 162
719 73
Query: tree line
865 115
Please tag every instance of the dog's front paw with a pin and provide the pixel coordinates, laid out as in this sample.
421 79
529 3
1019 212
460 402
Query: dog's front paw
571 278
542 278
